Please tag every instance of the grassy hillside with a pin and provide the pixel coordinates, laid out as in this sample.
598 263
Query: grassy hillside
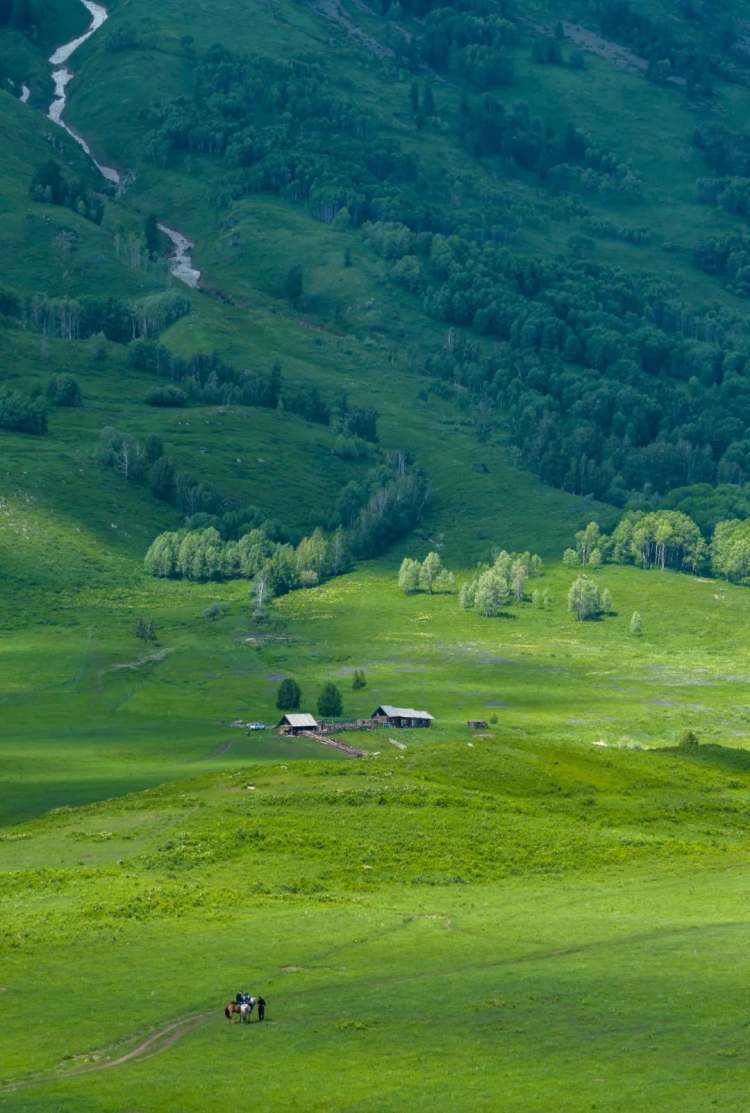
450 925
103 714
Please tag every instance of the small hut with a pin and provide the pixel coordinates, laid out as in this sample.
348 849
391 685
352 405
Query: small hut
478 724
388 716
297 723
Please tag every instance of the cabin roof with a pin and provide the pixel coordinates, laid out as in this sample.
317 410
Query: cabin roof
402 712
299 720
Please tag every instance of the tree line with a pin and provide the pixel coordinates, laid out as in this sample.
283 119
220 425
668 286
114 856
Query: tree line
214 546
428 575
118 319
210 380
667 539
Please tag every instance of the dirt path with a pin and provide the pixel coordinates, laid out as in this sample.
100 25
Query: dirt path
619 56
612 52
221 749
155 1044
334 743
150 658
333 11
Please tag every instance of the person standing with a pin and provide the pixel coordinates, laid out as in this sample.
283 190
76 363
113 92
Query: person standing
261 1002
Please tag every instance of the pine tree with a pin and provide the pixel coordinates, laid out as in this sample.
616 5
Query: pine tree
329 702
289 695
689 742
636 626
294 284
145 630
151 233
359 680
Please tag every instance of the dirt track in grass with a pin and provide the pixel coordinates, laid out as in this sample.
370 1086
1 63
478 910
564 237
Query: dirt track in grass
155 1044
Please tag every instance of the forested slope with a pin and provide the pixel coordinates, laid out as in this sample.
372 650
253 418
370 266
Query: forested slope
563 198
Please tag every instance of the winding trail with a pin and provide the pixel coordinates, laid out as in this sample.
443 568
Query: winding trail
180 258
155 1044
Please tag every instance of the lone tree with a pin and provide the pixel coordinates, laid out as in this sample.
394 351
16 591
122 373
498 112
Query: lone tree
145 630
607 601
329 702
261 594
64 390
583 599
294 284
636 625
151 235
491 594
689 742
359 680
289 695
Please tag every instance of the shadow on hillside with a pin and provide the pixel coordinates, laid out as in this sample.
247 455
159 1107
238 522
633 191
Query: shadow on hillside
723 757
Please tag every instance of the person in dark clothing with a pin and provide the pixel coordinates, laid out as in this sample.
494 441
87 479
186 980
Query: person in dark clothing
239 998
261 1008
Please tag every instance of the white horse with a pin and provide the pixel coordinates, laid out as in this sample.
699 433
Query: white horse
245 1009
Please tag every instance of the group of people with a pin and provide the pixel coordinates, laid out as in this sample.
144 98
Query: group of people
252 1002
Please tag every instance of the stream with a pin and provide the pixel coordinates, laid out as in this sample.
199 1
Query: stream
180 257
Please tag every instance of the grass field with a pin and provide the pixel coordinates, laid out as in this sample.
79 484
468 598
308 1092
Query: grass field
494 927
102 715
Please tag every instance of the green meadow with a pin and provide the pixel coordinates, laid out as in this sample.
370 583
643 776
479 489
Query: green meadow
496 927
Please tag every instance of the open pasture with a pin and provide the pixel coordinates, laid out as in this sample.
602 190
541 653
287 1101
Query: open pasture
555 928
90 711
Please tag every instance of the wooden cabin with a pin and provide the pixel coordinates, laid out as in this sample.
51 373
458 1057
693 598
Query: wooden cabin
385 715
297 723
